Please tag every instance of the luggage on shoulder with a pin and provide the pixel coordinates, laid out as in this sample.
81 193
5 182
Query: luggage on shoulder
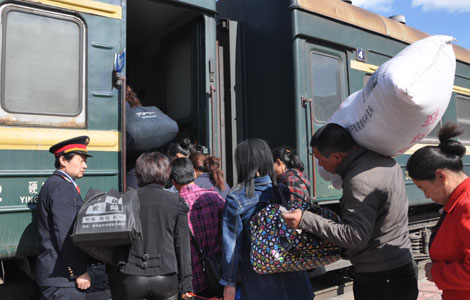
148 128
108 219
403 100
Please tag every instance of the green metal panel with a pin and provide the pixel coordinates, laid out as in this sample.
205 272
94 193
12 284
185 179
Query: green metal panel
317 30
23 172
104 40
22 175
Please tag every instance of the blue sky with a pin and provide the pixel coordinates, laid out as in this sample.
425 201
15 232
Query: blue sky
450 17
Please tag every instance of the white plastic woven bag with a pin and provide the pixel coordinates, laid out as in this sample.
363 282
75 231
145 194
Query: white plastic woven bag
403 100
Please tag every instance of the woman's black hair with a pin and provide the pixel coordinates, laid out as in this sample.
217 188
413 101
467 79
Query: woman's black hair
67 157
288 157
253 156
152 167
422 165
184 147
181 147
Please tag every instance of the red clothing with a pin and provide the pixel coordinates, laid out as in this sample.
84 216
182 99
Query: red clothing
298 186
205 221
450 250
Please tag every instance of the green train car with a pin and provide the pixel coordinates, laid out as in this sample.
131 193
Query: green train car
295 62
65 67
225 70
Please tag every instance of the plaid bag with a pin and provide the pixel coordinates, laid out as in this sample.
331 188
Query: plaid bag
277 248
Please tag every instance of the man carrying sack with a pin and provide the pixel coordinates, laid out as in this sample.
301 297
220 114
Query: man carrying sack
374 209
62 267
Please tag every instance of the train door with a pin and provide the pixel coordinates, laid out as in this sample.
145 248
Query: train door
171 64
230 92
322 85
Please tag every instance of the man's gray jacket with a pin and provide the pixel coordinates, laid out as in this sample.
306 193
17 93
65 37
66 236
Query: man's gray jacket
374 209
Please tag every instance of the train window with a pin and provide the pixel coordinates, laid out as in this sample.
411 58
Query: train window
326 83
42 67
463 115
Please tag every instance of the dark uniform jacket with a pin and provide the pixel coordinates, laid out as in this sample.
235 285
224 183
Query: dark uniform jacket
165 247
59 261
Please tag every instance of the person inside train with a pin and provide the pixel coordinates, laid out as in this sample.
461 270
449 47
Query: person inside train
131 179
288 168
208 173
205 219
438 172
254 163
180 149
62 267
159 266
374 209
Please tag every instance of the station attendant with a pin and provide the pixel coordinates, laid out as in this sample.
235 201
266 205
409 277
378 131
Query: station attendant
62 267
438 172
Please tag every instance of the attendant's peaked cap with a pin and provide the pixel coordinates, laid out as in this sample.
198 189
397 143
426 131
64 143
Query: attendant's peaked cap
74 145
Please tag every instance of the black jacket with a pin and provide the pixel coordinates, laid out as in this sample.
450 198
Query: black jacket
165 247
59 261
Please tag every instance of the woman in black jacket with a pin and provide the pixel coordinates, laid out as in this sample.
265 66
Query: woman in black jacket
158 267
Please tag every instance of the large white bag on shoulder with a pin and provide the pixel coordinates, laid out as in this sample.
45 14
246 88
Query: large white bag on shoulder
403 100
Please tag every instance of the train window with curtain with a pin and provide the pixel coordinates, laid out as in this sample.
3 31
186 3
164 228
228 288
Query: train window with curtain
462 107
326 84
42 67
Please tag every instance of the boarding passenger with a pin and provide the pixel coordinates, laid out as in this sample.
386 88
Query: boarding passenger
374 210
131 179
254 191
159 266
205 221
208 173
62 267
181 149
438 172
288 168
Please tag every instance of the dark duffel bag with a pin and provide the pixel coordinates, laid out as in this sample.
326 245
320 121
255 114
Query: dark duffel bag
108 219
148 128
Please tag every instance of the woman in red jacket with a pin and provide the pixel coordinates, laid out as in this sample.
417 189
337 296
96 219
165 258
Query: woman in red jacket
438 172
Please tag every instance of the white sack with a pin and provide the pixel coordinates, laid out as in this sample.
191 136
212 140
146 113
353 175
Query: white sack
403 100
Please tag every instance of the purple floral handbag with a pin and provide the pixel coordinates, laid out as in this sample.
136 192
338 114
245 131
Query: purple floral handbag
277 248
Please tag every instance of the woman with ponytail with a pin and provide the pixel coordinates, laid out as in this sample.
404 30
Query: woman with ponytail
208 173
438 172
288 168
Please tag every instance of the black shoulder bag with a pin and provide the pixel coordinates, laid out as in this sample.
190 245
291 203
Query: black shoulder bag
212 268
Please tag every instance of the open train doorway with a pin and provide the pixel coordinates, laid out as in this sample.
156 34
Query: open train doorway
166 58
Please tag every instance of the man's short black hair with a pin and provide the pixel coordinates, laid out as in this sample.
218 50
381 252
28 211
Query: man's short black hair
182 171
332 138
